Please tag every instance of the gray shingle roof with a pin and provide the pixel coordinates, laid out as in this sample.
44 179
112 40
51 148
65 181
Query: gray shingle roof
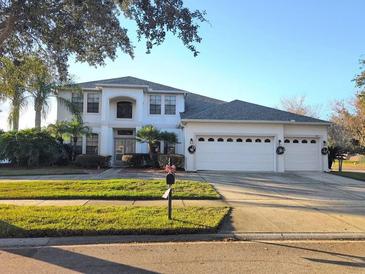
244 111
128 80
195 103
200 107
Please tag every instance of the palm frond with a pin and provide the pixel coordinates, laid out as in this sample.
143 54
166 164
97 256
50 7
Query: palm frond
70 107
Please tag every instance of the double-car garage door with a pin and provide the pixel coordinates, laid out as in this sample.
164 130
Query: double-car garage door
255 153
235 153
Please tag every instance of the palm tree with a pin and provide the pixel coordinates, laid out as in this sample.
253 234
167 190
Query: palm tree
169 138
76 128
58 130
13 80
150 135
43 86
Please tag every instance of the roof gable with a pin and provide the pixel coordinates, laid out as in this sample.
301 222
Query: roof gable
128 80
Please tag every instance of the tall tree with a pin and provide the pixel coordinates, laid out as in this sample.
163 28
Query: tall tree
298 105
13 82
351 119
90 29
43 85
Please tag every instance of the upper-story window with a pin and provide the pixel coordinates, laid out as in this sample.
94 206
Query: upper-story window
93 103
124 110
77 100
155 104
170 104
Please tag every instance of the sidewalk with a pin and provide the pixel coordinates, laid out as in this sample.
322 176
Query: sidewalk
178 203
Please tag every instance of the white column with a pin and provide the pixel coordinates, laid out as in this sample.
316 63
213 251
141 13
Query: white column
106 141
280 159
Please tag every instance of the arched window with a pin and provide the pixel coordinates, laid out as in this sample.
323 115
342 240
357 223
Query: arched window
267 140
211 140
313 141
287 141
124 110
201 139
304 141
248 140
220 140
229 140
239 140
258 141
295 141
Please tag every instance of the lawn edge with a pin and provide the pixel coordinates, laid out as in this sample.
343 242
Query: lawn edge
345 176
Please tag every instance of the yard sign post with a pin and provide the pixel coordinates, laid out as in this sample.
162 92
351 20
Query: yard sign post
170 180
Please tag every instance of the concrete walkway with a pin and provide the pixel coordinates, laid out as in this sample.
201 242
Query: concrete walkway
177 203
112 173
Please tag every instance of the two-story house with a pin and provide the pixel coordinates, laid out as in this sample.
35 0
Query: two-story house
212 134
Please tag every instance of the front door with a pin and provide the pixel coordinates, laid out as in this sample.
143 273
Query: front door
123 146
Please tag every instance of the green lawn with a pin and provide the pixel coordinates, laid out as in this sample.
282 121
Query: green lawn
354 175
121 189
349 165
42 221
7 171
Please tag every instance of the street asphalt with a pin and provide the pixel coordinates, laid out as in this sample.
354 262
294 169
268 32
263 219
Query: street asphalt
199 257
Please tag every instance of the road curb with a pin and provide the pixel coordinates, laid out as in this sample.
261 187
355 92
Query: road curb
89 240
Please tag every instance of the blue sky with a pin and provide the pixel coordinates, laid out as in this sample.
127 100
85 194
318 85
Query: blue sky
256 51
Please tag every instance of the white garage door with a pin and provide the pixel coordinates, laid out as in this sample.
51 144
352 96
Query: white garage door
235 153
302 154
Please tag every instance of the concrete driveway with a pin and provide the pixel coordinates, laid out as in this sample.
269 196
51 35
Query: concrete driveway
305 202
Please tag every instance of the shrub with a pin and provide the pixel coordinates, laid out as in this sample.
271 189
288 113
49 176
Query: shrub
176 159
136 159
30 148
92 161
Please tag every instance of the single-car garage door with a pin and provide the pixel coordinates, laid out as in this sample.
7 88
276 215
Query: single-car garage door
235 153
302 154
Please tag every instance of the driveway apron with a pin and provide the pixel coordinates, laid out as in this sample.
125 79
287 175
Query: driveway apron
302 202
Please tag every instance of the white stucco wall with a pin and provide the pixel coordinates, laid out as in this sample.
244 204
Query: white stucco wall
105 121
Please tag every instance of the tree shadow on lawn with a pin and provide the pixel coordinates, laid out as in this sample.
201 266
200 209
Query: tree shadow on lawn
67 259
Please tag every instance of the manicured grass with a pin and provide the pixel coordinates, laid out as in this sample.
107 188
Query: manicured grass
349 165
354 175
42 221
12 171
121 189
